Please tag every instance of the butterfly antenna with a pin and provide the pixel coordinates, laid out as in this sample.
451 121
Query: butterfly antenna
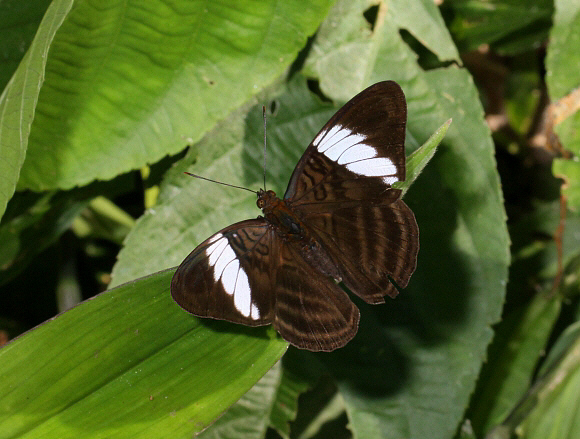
264 116
220 182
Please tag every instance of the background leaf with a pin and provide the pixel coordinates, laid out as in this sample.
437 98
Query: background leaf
169 86
18 101
248 417
141 79
509 26
430 30
520 339
19 22
109 357
401 387
564 86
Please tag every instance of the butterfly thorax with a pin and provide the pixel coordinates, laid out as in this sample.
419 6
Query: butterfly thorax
290 228
277 212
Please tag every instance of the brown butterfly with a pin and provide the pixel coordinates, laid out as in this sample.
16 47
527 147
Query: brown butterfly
340 221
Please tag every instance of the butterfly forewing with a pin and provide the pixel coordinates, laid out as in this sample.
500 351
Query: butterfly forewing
358 154
228 277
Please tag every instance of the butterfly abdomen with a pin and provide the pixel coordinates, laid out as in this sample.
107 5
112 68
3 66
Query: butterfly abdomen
318 258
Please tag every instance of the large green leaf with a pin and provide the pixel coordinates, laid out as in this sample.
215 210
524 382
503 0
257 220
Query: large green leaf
128 363
519 342
413 365
19 98
249 417
423 20
127 83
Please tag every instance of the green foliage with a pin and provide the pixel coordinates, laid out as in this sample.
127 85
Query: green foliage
562 82
112 357
93 91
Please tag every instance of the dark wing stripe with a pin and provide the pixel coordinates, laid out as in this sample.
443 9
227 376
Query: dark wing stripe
312 312
373 245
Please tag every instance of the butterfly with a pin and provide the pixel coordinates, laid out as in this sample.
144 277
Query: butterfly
340 221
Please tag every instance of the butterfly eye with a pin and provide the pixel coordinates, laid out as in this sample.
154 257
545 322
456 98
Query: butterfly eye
260 204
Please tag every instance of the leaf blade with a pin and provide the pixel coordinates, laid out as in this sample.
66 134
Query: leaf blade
108 357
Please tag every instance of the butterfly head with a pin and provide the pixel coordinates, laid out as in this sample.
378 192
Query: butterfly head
266 199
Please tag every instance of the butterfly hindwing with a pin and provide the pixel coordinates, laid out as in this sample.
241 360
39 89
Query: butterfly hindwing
374 244
311 311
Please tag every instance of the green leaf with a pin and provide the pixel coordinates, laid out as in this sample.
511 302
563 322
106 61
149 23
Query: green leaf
569 170
344 50
19 98
103 219
34 221
128 363
519 341
430 29
564 346
510 26
321 409
41 219
557 414
417 161
248 418
550 408
19 22
562 59
127 84
413 365
285 406
535 253
563 82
